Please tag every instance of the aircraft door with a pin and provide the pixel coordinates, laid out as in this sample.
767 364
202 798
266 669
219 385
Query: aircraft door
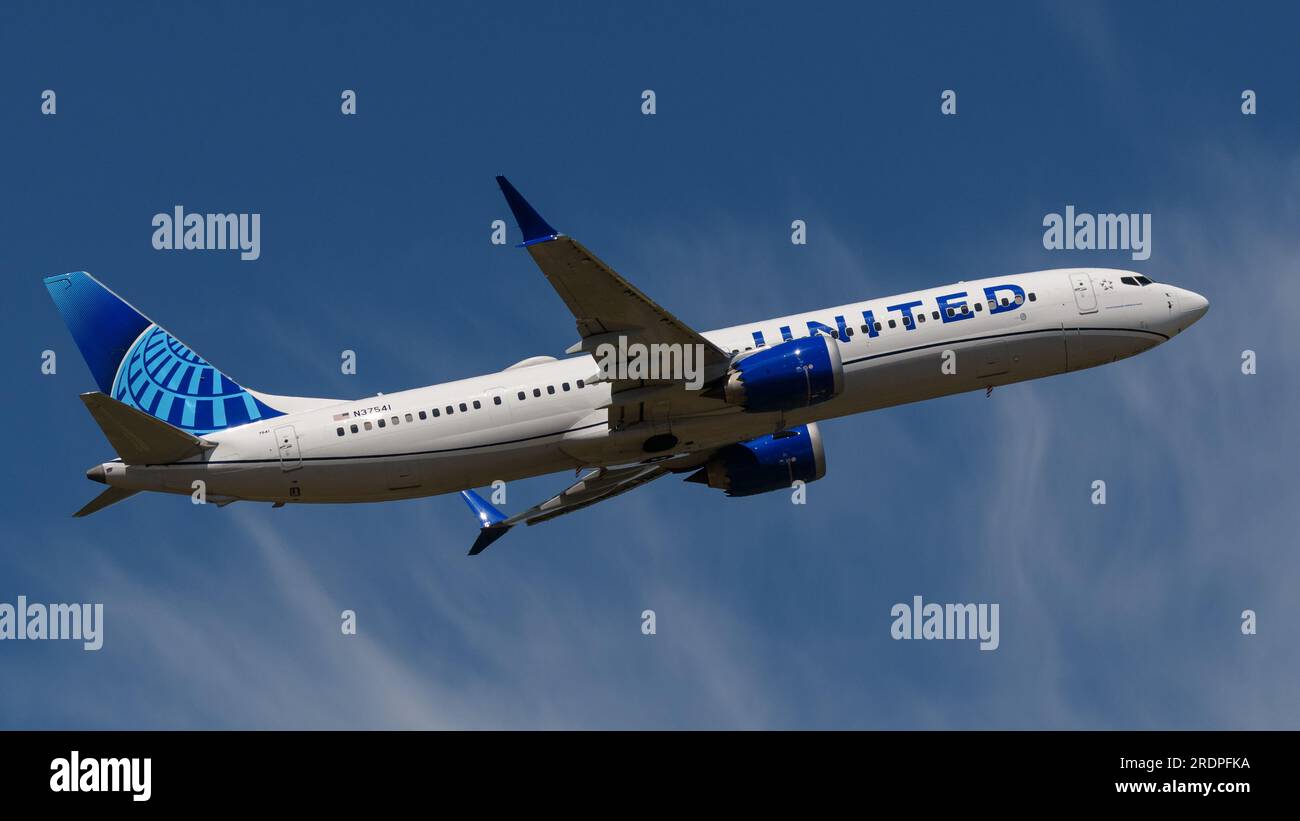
286 442
1084 296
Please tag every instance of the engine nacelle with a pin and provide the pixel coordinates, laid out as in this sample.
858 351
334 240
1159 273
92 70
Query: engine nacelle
794 374
767 463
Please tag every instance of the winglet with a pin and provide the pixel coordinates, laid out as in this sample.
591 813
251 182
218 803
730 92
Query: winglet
534 228
492 529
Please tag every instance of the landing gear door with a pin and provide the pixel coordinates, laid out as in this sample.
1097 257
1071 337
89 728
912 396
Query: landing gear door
286 442
1084 296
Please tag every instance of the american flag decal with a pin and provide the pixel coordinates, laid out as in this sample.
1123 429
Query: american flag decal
339 416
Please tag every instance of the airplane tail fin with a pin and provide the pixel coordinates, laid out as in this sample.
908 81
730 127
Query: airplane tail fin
137 363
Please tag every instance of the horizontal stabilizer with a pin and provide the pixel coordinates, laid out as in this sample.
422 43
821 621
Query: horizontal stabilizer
112 495
139 438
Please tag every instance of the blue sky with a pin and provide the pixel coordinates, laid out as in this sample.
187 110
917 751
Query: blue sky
375 238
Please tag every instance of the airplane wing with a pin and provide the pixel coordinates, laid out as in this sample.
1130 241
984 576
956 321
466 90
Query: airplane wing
607 308
604 305
595 486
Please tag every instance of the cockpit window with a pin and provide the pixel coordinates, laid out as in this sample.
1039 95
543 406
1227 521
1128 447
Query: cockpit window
1128 280
1144 281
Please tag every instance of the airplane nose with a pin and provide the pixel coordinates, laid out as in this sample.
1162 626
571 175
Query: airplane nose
1194 305
96 474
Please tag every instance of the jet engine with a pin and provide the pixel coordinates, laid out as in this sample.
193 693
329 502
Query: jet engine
794 374
767 463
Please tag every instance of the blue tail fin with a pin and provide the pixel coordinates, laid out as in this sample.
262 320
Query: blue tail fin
139 364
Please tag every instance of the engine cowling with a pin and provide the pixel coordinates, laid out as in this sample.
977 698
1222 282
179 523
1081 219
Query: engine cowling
767 463
794 374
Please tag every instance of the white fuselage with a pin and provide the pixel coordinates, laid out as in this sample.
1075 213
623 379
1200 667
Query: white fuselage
1076 318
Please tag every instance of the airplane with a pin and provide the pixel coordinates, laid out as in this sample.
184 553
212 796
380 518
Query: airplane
746 424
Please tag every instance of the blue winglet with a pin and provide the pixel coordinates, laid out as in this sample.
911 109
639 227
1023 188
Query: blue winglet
483 509
534 228
490 517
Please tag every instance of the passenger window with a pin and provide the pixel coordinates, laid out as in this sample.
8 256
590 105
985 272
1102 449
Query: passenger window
423 416
340 431
381 423
478 405
496 400
436 413
537 391
920 317
1004 300
865 329
965 310
463 408
935 316
369 426
993 304
522 395
951 312
565 385
410 418
1032 297
396 420
907 322
878 327
579 384
550 389
893 324
1020 300
354 428
979 306
450 410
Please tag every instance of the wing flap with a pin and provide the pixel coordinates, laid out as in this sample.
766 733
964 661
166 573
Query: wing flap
596 485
